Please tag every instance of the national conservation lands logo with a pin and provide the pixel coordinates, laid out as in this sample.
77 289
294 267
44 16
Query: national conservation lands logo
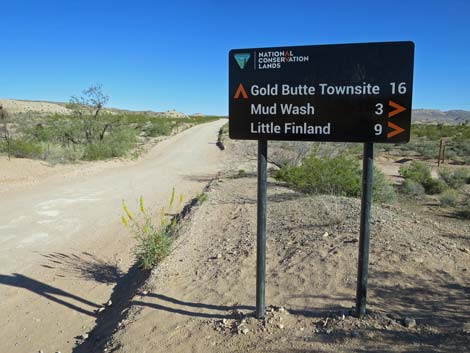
270 59
275 59
242 59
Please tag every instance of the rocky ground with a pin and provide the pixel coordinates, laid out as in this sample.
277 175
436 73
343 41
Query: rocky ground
202 297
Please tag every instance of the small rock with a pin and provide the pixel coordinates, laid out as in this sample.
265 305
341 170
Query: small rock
224 321
281 326
245 331
100 310
109 303
40 351
328 331
409 322
145 292
84 336
325 235
219 256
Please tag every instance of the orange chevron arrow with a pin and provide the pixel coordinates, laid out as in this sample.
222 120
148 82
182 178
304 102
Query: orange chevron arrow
240 90
396 130
398 108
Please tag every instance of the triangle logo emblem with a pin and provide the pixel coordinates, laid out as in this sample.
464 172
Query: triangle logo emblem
242 59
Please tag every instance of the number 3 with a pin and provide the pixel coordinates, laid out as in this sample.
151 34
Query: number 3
379 109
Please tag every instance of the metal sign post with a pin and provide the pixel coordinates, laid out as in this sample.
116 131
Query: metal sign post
364 233
261 229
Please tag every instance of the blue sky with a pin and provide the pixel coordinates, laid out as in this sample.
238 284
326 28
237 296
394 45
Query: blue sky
172 54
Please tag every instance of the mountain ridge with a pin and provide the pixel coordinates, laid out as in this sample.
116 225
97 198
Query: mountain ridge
18 106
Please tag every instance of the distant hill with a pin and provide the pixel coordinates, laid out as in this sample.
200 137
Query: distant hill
18 106
438 116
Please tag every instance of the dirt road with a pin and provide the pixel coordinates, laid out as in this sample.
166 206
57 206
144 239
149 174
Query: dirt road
62 246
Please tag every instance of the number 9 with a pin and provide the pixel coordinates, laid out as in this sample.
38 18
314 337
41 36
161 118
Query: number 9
378 129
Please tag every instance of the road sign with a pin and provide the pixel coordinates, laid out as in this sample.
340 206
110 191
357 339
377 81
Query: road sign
347 92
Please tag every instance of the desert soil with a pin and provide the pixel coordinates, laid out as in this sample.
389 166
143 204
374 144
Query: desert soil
63 247
201 298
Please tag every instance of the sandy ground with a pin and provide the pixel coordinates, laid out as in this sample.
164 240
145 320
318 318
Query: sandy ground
202 297
63 248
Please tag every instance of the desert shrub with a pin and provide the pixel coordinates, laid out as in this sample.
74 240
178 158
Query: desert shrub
382 190
428 149
339 175
455 179
158 128
153 241
153 233
241 174
413 188
25 148
466 201
416 171
55 154
464 212
153 245
112 145
420 173
449 198
201 198
435 186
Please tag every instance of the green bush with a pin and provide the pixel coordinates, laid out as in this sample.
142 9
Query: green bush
413 188
455 179
24 148
55 154
158 128
201 198
153 244
416 171
382 190
428 149
464 212
420 173
153 240
113 145
435 186
340 175
449 198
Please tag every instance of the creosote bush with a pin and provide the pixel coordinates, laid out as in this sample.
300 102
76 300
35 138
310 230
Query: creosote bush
449 198
420 173
340 175
455 178
24 148
412 188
